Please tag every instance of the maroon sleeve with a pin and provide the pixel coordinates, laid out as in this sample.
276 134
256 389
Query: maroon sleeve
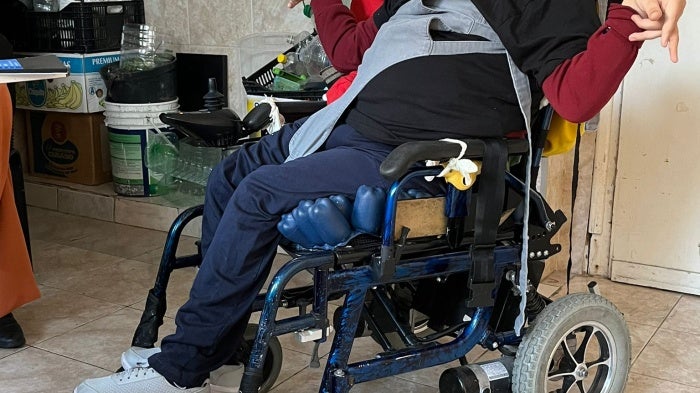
579 87
343 38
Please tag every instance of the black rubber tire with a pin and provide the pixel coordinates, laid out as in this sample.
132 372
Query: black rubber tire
584 315
273 357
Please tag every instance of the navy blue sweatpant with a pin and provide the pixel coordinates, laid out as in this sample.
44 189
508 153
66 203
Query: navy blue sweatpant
246 196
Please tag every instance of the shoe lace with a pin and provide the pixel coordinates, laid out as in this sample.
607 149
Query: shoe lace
135 373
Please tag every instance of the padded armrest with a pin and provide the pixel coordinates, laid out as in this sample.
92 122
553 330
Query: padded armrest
397 163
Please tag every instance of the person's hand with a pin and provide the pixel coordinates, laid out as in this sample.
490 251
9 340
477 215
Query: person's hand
658 18
293 3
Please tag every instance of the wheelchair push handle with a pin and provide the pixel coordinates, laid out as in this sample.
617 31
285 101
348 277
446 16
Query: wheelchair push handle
397 163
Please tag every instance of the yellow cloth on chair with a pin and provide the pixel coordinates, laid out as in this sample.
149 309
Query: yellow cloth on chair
561 136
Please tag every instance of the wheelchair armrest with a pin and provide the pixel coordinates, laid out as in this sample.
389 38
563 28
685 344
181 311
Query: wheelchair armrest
397 163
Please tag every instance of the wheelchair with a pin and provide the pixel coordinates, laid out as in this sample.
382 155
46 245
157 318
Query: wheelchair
441 278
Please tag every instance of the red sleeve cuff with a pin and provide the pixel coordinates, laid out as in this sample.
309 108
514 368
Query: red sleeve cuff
620 21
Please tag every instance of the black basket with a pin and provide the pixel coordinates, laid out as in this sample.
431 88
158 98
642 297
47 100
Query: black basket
81 27
260 83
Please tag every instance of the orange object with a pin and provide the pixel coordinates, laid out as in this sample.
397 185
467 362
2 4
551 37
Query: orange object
17 285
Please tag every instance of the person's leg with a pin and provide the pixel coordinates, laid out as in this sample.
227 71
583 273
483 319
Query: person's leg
211 324
269 150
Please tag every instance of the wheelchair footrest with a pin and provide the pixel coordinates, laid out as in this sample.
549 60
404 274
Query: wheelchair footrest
308 335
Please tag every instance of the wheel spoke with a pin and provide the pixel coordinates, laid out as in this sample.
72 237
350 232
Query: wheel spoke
581 388
569 383
567 351
557 376
600 362
580 354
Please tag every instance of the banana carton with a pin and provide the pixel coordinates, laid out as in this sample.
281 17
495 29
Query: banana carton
83 91
69 146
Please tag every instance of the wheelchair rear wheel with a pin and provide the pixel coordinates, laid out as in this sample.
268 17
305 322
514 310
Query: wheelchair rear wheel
579 343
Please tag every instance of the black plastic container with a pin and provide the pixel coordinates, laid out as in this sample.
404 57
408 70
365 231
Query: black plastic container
140 87
80 27
307 102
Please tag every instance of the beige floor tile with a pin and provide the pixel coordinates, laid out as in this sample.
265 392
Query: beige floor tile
293 363
7 352
35 371
640 335
685 317
59 311
177 292
186 246
672 357
100 342
54 263
58 227
638 383
106 237
640 305
547 290
309 380
112 279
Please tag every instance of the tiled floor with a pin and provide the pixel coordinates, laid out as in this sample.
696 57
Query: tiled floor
94 276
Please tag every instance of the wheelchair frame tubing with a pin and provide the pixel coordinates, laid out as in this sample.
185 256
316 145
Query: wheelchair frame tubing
339 376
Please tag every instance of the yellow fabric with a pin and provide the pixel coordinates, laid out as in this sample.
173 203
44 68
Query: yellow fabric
458 180
561 136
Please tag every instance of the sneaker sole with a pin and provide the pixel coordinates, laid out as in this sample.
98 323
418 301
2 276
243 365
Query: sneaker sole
223 389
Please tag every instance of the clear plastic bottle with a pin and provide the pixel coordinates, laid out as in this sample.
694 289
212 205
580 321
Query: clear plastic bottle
45 5
314 57
291 63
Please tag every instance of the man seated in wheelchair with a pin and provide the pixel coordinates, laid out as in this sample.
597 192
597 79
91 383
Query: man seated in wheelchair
452 69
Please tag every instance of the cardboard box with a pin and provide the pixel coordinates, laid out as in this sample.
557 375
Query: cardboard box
68 146
83 91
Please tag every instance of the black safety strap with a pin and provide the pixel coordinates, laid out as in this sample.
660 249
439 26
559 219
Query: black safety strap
574 187
489 206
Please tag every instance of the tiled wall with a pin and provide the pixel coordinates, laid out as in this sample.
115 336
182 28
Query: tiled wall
217 27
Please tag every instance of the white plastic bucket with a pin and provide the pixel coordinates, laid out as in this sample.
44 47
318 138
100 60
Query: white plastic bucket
130 126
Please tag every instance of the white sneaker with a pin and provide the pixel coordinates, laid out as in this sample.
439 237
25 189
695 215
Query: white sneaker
137 357
226 379
136 380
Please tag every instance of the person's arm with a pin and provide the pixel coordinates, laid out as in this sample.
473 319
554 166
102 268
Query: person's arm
579 87
343 38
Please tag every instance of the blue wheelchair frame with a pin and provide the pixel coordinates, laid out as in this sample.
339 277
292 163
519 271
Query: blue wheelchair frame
333 277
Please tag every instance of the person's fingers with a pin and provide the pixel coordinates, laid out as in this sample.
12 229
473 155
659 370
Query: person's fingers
647 24
673 46
293 3
645 35
672 13
651 8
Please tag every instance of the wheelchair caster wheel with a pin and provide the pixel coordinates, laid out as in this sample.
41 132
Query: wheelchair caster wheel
579 343
273 357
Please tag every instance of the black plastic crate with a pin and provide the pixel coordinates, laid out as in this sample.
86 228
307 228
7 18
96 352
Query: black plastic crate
80 27
260 83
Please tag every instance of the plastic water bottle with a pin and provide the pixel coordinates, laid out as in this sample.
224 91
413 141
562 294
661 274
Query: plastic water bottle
45 5
314 57
291 63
